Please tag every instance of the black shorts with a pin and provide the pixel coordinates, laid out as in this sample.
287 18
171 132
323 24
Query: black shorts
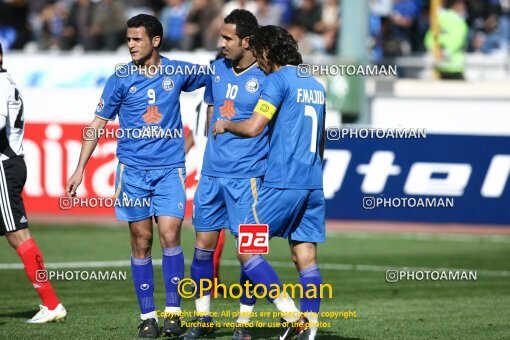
13 175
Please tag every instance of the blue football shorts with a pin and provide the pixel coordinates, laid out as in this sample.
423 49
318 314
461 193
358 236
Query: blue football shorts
222 203
295 214
156 192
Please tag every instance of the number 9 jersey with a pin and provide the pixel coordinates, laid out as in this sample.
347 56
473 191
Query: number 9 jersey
296 107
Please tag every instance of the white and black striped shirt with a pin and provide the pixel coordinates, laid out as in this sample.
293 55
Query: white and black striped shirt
12 122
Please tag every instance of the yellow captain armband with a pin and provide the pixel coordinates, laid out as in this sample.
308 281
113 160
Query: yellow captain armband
265 108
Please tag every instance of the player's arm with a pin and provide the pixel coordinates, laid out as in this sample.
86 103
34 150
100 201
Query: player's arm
4 107
3 114
322 144
210 109
188 142
87 148
3 122
250 127
262 114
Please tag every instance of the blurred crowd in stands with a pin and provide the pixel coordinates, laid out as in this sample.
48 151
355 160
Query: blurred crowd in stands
398 27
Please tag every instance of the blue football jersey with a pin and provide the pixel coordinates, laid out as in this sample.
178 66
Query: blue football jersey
297 108
151 135
234 97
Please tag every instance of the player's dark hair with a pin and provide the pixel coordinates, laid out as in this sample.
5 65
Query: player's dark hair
280 47
245 21
152 25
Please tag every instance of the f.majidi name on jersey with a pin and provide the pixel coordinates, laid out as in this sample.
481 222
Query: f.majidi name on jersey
310 96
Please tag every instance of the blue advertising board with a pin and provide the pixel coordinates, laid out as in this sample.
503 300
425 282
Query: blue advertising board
439 178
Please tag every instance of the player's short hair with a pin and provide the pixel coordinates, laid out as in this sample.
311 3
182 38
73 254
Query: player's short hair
152 25
245 21
280 46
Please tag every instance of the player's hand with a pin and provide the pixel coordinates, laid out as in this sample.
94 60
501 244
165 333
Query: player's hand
220 127
73 183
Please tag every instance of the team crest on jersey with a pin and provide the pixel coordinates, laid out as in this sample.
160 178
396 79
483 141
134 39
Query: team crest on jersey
217 79
100 105
252 85
167 84
132 89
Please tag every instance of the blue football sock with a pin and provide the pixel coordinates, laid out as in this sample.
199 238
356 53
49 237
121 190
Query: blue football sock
259 271
143 279
310 276
202 266
173 272
245 300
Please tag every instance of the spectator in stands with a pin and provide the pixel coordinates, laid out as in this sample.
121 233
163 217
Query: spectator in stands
108 24
320 24
201 28
173 18
482 17
267 13
399 27
14 28
135 7
229 6
51 19
331 22
78 27
452 40
504 23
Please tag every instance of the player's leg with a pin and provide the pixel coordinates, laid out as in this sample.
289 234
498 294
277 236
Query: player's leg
303 244
305 259
130 184
216 263
27 249
240 195
14 226
143 275
276 208
169 202
173 272
209 217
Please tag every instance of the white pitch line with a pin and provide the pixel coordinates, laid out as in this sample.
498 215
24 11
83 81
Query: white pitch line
276 264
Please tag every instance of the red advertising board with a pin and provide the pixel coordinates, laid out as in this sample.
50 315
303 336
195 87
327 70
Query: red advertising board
52 151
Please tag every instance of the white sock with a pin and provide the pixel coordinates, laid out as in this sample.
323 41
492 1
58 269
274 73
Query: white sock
245 313
288 309
203 305
172 310
314 322
150 315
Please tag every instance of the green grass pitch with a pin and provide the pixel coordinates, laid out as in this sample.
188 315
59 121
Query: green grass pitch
353 263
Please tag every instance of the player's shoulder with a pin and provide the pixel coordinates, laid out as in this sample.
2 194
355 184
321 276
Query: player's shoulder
280 77
123 73
316 84
7 84
221 65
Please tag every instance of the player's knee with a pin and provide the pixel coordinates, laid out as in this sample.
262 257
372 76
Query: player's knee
15 239
141 252
243 258
141 245
170 240
304 260
206 240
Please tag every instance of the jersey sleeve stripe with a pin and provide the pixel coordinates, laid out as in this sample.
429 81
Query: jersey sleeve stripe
182 179
119 185
103 118
255 195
